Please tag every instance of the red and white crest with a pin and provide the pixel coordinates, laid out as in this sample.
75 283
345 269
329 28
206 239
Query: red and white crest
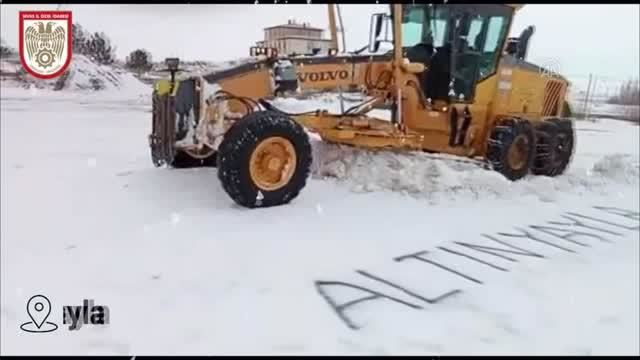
45 42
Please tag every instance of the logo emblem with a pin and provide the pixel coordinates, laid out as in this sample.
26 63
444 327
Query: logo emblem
45 42
550 67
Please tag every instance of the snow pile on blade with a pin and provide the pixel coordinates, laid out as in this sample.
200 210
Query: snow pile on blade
414 173
443 177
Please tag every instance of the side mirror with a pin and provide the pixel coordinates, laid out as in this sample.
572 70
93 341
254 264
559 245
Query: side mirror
523 42
375 28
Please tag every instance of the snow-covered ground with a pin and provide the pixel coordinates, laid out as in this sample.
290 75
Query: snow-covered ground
85 215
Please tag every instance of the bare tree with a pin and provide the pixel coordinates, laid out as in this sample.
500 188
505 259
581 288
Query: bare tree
99 49
96 46
139 61
5 49
79 36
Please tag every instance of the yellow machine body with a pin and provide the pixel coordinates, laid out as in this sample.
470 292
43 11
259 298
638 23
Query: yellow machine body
511 90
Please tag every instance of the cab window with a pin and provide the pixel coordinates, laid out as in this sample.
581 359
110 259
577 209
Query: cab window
412 25
496 30
426 24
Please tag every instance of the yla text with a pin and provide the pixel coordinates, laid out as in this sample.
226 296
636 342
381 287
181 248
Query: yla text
87 313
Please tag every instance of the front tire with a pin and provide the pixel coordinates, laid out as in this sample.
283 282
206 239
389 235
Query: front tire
264 160
512 147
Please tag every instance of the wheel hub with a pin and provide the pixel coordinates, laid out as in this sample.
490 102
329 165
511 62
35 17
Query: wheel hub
272 163
518 153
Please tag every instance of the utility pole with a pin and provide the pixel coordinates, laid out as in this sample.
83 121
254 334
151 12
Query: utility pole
594 94
586 99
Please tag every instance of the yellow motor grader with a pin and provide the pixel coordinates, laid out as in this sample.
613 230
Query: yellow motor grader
452 81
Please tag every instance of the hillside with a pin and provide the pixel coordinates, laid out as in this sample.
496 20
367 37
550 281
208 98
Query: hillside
83 75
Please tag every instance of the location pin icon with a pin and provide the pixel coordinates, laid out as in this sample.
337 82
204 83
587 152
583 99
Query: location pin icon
38 309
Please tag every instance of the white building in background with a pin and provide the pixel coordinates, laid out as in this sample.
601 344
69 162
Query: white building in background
295 39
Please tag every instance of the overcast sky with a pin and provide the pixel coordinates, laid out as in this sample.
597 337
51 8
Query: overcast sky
581 39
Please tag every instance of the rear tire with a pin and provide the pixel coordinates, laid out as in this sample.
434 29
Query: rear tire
264 160
512 147
554 152
546 142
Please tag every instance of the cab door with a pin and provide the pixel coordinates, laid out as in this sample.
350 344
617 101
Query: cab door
477 42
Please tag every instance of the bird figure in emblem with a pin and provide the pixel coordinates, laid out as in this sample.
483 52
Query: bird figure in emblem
45 43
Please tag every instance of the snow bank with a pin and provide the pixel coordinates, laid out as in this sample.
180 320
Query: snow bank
87 75
84 77
9 66
619 167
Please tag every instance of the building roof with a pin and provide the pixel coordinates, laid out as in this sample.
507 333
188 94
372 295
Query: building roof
300 38
263 42
294 26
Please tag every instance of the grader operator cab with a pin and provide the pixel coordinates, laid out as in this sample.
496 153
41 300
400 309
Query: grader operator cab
455 48
448 82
